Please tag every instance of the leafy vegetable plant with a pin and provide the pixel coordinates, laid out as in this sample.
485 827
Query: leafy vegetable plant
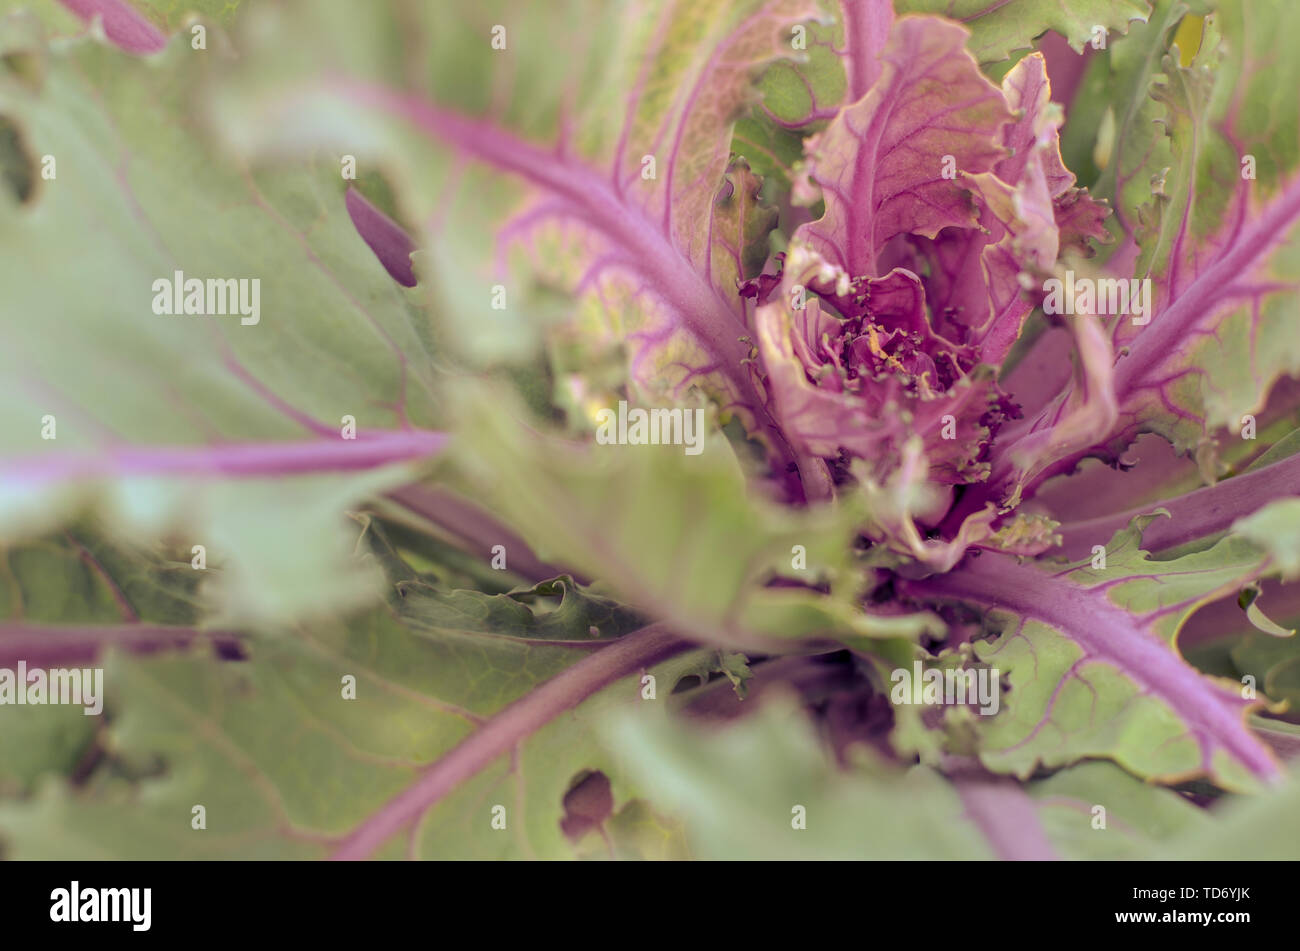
685 428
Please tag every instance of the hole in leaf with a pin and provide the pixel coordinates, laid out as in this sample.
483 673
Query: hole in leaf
587 804
689 682
17 168
229 648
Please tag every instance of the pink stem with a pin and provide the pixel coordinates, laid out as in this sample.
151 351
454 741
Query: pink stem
231 459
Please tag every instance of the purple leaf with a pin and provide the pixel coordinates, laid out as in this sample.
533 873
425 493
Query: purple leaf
880 163
122 24
391 244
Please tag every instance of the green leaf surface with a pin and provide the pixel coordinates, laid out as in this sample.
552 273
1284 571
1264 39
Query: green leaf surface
738 790
675 535
1206 181
739 793
136 402
999 29
1276 529
1138 817
1261 828
286 763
